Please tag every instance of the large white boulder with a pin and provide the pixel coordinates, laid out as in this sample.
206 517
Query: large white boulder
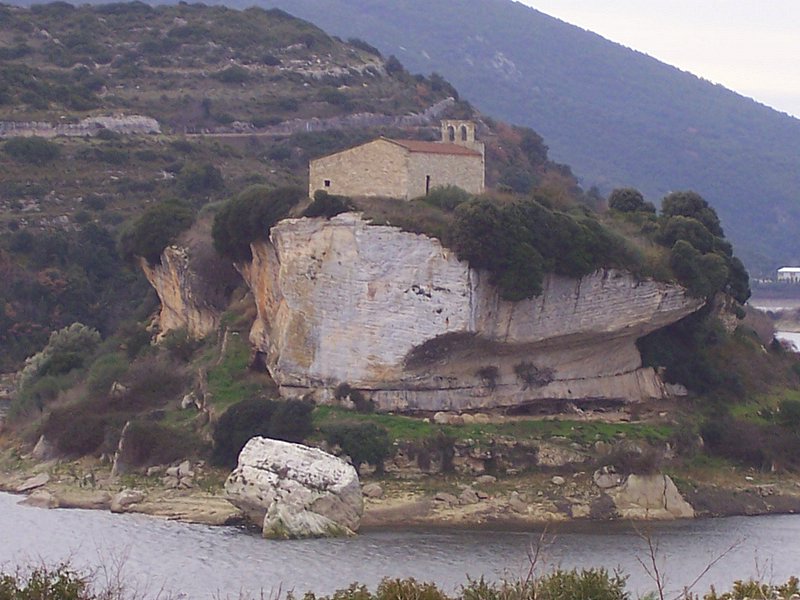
293 491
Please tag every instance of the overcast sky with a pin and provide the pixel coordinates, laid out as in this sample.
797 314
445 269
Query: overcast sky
750 46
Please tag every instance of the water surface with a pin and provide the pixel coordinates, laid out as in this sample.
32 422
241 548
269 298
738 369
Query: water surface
207 562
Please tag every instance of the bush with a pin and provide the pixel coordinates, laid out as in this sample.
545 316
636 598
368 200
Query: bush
283 420
32 150
180 344
60 583
107 369
232 74
789 415
200 179
447 197
362 442
156 229
77 431
327 205
151 382
66 349
362 405
147 443
249 217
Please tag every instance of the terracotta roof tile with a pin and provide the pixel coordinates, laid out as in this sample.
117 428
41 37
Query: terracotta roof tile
435 147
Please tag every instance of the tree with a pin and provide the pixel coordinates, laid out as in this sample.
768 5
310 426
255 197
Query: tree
691 204
249 217
688 229
156 229
629 200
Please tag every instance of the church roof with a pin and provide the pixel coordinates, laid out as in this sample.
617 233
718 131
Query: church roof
434 147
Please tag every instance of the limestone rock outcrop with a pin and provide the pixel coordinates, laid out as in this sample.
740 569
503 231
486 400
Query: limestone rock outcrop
193 285
399 317
646 497
293 491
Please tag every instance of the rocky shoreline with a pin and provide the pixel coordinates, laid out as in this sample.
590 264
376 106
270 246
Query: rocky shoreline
520 502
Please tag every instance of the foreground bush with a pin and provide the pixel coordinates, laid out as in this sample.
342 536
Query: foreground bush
156 229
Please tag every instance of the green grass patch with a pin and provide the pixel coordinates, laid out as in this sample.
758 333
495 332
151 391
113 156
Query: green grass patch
228 381
411 428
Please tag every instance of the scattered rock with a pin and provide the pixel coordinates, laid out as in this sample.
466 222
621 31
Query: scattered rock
486 480
154 471
481 418
34 482
441 418
126 498
43 450
468 496
468 418
293 491
517 504
40 499
765 490
605 479
481 495
558 480
445 498
580 511
372 490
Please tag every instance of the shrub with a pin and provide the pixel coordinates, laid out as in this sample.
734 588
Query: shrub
362 442
283 420
447 197
327 205
200 179
107 369
180 344
59 583
232 74
147 443
789 414
77 430
151 382
156 229
249 217
532 376
66 349
32 150
362 405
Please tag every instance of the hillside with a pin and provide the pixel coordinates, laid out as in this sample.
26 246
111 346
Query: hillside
228 99
620 118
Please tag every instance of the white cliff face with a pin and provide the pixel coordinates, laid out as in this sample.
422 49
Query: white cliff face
293 491
181 305
397 315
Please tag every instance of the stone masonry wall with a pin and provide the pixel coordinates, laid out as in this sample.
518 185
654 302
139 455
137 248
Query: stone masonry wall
377 168
467 172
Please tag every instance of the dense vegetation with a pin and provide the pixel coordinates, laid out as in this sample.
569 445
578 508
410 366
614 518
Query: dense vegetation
66 583
620 118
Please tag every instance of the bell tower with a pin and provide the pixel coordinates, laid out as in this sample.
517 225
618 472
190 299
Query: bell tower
462 133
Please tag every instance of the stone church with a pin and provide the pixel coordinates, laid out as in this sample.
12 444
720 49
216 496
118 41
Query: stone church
403 168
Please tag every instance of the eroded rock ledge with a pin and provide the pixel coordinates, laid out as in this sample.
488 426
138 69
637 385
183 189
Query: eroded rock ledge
399 317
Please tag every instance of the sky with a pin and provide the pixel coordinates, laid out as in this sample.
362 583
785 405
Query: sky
750 46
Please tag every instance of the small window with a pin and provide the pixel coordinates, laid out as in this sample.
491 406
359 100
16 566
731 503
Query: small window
327 183
451 133
463 133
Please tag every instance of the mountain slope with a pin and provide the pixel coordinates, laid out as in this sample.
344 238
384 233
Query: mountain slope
617 116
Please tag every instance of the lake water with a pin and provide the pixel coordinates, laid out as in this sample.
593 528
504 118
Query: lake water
205 562
788 336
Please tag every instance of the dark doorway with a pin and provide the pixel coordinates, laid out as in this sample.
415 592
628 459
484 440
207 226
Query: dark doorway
427 184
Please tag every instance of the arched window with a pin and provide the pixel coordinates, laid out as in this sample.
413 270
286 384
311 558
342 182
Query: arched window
451 133
463 133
